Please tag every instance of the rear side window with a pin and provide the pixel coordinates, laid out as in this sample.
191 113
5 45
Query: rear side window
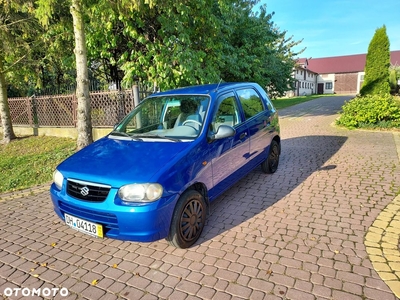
269 104
251 102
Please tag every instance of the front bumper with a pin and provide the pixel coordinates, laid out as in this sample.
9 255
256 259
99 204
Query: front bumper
141 223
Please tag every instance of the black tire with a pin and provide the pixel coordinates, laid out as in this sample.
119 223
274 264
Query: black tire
188 220
270 165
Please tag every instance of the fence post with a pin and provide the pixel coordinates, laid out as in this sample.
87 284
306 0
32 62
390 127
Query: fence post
135 94
74 108
33 114
29 110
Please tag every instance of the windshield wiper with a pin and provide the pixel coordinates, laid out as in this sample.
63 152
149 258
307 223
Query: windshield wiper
121 133
157 136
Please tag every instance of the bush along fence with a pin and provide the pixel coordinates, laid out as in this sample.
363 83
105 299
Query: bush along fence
108 108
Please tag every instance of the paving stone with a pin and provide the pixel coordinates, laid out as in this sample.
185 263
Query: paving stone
324 226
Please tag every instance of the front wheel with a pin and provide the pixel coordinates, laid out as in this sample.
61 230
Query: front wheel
188 220
270 165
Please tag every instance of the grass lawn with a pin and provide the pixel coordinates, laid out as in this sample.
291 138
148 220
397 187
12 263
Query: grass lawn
30 161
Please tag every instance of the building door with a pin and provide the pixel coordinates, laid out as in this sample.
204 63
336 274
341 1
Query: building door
320 88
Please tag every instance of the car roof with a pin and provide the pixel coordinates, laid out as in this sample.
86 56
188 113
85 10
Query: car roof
205 89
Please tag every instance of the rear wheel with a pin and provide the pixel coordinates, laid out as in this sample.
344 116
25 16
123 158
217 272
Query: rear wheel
270 165
188 220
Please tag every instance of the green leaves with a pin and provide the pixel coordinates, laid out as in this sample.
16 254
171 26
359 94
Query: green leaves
169 43
45 10
371 111
255 50
377 65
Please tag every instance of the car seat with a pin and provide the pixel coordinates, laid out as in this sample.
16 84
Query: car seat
189 112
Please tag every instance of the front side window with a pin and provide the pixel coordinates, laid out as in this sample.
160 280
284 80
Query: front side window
250 101
180 117
227 113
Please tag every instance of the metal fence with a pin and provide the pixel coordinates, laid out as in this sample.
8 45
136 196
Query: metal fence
108 108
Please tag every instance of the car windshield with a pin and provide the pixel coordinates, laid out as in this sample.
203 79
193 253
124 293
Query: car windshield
165 117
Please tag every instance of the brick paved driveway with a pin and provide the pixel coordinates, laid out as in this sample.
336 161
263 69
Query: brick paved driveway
296 234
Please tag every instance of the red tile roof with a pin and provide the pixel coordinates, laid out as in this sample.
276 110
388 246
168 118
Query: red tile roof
343 64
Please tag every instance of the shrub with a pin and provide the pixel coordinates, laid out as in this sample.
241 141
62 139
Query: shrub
371 111
394 87
376 80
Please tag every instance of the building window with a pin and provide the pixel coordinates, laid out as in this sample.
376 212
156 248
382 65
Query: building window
328 85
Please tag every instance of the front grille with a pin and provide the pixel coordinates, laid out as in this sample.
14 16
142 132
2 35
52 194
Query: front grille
87 191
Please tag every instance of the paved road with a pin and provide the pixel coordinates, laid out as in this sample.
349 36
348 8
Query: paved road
322 227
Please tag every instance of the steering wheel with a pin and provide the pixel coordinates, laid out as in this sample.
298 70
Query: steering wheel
192 121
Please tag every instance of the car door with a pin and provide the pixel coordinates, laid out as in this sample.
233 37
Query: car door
230 155
258 119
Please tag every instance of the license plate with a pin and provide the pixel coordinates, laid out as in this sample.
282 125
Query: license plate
84 226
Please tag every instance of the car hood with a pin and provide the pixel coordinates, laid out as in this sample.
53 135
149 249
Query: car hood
117 162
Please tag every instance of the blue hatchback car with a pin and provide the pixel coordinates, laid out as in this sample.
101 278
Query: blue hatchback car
156 173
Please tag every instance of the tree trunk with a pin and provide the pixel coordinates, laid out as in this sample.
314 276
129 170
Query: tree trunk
84 120
8 132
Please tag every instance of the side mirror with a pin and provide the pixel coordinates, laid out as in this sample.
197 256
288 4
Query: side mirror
223 131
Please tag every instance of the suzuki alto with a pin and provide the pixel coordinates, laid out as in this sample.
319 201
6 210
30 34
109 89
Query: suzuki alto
155 175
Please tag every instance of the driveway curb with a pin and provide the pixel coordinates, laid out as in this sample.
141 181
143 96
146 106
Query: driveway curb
24 193
382 240
382 245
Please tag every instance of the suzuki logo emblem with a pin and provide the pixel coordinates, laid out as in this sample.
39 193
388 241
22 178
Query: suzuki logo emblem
85 191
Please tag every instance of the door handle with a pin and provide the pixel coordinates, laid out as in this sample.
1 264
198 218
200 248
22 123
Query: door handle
243 135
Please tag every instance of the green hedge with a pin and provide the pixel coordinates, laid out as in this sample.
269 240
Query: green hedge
371 111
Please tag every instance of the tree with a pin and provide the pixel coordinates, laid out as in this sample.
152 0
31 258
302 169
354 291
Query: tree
394 76
84 119
84 124
18 33
48 60
256 50
393 81
56 69
172 44
169 43
8 131
376 80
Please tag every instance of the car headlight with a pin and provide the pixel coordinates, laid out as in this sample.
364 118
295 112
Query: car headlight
141 192
58 179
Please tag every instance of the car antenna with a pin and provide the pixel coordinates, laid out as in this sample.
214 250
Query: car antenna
218 85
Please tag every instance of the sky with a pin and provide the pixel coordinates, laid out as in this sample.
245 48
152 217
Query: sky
335 27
